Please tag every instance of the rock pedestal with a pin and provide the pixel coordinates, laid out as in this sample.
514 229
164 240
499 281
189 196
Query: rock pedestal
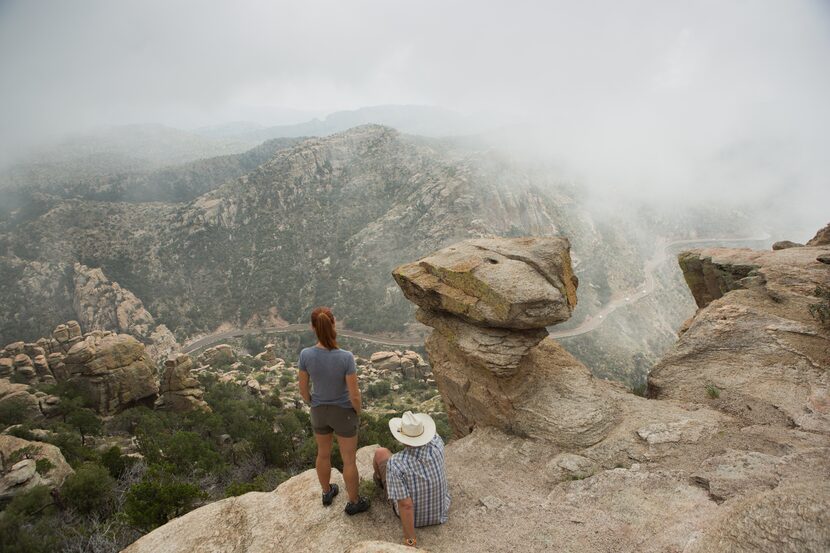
179 390
489 302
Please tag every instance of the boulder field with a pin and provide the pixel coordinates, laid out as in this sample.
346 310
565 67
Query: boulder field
730 453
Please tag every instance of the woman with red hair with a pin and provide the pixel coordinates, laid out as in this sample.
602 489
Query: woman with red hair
335 407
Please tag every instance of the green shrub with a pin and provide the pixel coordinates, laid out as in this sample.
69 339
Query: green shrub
73 451
115 463
90 489
44 465
13 411
378 389
22 431
151 503
188 453
86 422
271 478
712 391
27 524
239 488
23 453
368 488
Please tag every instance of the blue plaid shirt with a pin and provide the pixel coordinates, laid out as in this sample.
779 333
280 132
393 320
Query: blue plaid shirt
418 472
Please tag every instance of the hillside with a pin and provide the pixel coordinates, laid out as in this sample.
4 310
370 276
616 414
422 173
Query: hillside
324 221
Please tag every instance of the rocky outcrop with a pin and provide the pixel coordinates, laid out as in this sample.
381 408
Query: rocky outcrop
218 356
551 458
754 350
489 301
19 399
112 370
179 390
102 304
408 363
25 465
822 237
27 362
785 244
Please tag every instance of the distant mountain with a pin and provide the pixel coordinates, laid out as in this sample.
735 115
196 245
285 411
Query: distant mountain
324 221
29 189
412 119
128 146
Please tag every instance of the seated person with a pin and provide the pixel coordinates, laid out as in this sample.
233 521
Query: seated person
414 479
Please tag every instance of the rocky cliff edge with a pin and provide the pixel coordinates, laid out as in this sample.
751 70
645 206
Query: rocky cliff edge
550 458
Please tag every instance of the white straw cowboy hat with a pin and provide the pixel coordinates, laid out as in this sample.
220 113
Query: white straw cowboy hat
413 429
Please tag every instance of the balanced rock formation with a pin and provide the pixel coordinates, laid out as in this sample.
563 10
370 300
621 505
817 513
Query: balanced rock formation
489 301
19 466
102 304
179 390
113 371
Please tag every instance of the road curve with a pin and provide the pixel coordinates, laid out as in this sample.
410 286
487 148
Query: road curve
589 324
641 292
236 333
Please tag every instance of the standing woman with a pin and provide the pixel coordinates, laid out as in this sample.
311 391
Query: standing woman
335 407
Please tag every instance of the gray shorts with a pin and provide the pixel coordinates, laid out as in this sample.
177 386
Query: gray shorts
343 421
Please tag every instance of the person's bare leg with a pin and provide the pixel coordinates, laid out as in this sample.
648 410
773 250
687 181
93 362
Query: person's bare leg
348 451
323 463
381 454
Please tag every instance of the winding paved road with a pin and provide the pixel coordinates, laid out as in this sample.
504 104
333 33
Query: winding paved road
589 324
660 256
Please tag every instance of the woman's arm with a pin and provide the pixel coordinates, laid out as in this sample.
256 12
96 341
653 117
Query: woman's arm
304 387
354 391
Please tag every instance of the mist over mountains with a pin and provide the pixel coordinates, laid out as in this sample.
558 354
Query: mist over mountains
255 238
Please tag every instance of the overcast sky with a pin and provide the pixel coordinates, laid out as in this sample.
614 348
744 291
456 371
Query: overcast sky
638 91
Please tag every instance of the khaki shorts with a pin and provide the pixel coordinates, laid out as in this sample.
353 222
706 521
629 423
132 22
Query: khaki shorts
343 421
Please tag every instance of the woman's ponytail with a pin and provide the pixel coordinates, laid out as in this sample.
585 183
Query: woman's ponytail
322 319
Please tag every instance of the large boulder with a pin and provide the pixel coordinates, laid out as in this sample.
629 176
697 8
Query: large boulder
18 466
113 371
385 361
19 399
515 283
179 390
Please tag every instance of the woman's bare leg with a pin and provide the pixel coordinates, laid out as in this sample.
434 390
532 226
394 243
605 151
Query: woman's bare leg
323 463
348 451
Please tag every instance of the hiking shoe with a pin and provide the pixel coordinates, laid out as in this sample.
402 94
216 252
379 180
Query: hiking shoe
329 495
359 507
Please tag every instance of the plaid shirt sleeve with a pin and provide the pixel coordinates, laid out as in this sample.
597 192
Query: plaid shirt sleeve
395 486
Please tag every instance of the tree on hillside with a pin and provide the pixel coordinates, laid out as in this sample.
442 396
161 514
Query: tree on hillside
85 422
